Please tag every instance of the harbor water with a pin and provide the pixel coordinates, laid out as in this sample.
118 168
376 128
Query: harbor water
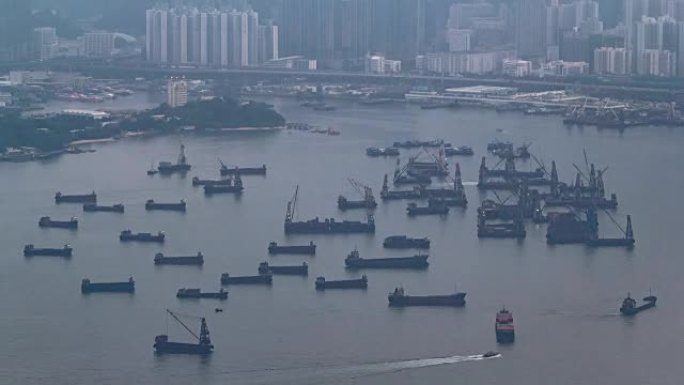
565 299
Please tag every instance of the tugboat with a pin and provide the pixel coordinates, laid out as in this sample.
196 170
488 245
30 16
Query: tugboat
83 198
505 331
152 205
354 261
404 242
197 293
629 305
31 251
71 224
181 166
152 170
274 248
361 283
129 236
93 207
398 298
203 347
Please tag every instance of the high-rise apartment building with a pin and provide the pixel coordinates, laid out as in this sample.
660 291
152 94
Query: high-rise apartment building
45 43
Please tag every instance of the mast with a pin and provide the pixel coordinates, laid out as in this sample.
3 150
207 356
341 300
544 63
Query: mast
291 207
629 233
458 183
554 179
204 333
483 170
181 156
385 187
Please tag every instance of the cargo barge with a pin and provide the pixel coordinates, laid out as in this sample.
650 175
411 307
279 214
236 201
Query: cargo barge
107 287
31 251
261 279
76 198
265 268
92 207
234 186
360 283
151 205
129 236
181 166
354 261
274 248
226 171
161 259
47 222
197 293
326 226
629 305
404 242
196 182
398 298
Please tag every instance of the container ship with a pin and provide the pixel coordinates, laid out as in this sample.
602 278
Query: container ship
629 305
503 326
404 242
360 283
31 251
274 248
107 287
326 226
225 171
234 186
398 298
93 207
47 222
434 207
152 205
129 236
82 198
261 279
197 293
162 345
181 166
265 268
161 259
354 261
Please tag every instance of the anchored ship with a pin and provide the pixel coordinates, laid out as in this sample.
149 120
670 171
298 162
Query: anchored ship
160 259
225 170
368 202
261 279
629 305
31 251
152 205
232 187
503 326
326 226
129 236
197 293
387 194
265 268
93 207
76 198
360 283
162 345
354 261
207 182
181 166
434 207
107 287
274 248
46 222
404 242
398 298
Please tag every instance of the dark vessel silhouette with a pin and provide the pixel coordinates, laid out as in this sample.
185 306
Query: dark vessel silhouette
490 354
503 326
368 202
31 251
326 226
93 207
181 165
209 182
261 279
354 261
265 268
170 206
421 143
398 298
76 198
161 259
404 242
274 248
197 293
225 170
107 287
459 151
629 305
162 345
234 187
434 207
47 222
129 236
360 283
386 194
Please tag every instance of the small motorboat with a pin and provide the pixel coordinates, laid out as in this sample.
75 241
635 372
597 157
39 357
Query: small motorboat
490 354
218 310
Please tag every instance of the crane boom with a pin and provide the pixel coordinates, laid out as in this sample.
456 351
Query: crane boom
182 324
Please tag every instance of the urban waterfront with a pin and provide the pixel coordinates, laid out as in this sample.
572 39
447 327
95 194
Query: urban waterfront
565 299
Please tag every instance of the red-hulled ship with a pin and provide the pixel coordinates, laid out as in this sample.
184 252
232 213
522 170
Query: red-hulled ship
505 331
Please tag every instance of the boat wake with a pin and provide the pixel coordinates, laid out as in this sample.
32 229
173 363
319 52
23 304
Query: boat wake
393 366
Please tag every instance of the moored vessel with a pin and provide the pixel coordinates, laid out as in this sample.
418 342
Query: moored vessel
93 207
266 268
107 287
359 283
274 248
197 293
503 326
30 250
75 198
47 222
398 298
261 279
354 261
162 345
161 259
129 236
